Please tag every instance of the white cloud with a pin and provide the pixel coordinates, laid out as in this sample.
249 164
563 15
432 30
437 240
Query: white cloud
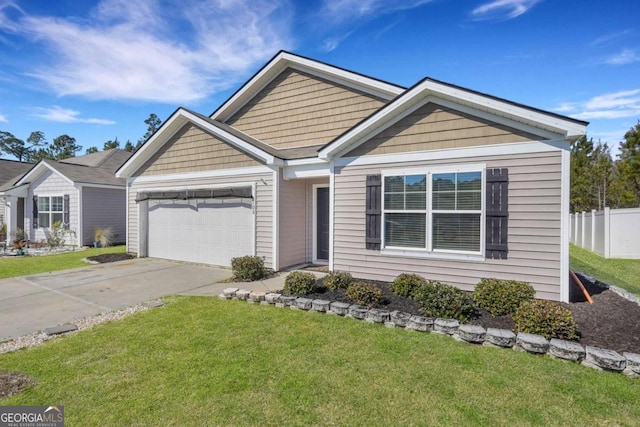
332 43
3 118
503 9
614 105
340 11
608 38
174 52
65 115
627 56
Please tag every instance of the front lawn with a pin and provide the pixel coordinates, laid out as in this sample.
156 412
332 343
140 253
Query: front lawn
24 265
624 273
202 361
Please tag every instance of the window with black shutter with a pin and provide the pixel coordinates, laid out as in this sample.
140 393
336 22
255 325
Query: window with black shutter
497 213
373 213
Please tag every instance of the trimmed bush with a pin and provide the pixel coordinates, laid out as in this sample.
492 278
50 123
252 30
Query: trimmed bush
299 283
364 294
337 280
248 268
500 297
546 318
405 284
445 301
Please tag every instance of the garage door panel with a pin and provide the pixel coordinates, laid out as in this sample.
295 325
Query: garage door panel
210 232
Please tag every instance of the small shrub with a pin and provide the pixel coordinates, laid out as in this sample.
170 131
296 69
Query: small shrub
405 284
546 318
102 236
299 283
500 297
365 294
248 268
337 280
445 301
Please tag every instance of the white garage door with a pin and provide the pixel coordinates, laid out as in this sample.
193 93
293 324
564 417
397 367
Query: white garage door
210 232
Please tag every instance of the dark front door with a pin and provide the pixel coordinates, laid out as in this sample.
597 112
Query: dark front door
322 223
20 212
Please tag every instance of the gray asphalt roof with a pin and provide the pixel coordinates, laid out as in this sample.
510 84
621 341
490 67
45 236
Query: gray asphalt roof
95 168
11 171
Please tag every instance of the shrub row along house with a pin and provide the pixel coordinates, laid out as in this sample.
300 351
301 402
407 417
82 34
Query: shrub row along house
308 162
81 192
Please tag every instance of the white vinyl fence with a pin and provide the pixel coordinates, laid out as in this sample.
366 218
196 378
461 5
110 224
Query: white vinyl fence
611 233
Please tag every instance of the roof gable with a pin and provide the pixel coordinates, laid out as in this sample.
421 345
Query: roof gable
11 170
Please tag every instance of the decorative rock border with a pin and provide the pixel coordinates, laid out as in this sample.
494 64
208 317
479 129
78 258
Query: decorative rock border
593 357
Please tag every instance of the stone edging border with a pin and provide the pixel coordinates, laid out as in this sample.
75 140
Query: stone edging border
593 357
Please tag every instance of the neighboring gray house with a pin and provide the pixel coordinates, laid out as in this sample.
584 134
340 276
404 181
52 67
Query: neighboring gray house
11 208
308 162
81 192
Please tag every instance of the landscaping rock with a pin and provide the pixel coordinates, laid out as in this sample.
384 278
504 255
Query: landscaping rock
302 304
229 292
272 298
566 350
600 358
471 333
320 305
375 315
154 304
286 301
446 326
242 294
500 338
358 311
419 323
531 343
398 318
339 308
632 369
256 297
62 329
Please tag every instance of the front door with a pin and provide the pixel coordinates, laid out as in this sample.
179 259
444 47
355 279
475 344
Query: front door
322 224
20 213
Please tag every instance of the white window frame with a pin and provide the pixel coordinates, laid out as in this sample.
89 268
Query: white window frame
49 212
428 251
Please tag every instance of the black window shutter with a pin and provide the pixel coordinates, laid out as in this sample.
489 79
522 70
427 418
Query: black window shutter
65 214
373 213
497 213
35 212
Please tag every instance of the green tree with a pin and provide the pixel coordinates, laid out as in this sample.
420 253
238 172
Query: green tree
153 124
129 146
629 164
13 146
111 144
581 184
92 150
64 147
601 173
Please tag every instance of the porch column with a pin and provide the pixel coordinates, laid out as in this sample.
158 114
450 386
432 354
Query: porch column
12 216
143 229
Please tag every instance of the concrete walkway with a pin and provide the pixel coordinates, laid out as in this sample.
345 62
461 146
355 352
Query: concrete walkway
32 303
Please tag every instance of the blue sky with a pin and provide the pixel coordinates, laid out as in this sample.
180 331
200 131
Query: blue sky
95 70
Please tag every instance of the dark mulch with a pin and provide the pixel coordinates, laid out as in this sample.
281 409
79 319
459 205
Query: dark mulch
13 383
104 258
611 322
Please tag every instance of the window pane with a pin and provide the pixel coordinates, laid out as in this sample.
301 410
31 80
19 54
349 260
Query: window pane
469 200
470 181
43 220
444 182
416 201
56 204
416 183
43 203
393 184
405 230
394 201
444 200
458 232
55 217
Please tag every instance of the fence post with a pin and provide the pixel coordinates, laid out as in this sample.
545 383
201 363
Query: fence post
593 230
582 242
607 229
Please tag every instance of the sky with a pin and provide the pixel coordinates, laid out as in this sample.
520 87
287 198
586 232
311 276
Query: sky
95 70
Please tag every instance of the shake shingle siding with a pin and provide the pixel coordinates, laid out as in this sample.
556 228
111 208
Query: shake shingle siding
533 234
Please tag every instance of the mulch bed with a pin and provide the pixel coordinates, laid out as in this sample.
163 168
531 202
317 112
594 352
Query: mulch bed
611 322
104 258
13 383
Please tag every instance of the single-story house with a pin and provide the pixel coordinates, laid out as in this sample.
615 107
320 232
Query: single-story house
311 163
81 192
10 213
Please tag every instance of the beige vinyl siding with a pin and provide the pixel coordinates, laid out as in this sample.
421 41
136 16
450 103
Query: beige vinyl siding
293 224
434 127
298 109
51 184
103 207
533 236
192 150
263 206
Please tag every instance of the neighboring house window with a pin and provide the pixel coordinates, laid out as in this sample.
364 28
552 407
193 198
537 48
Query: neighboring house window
433 211
50 210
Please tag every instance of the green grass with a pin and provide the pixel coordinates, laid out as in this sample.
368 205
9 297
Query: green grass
624 273
202 361
23 265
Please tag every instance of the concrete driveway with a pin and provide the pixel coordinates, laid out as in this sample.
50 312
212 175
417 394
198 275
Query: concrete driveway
32 303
